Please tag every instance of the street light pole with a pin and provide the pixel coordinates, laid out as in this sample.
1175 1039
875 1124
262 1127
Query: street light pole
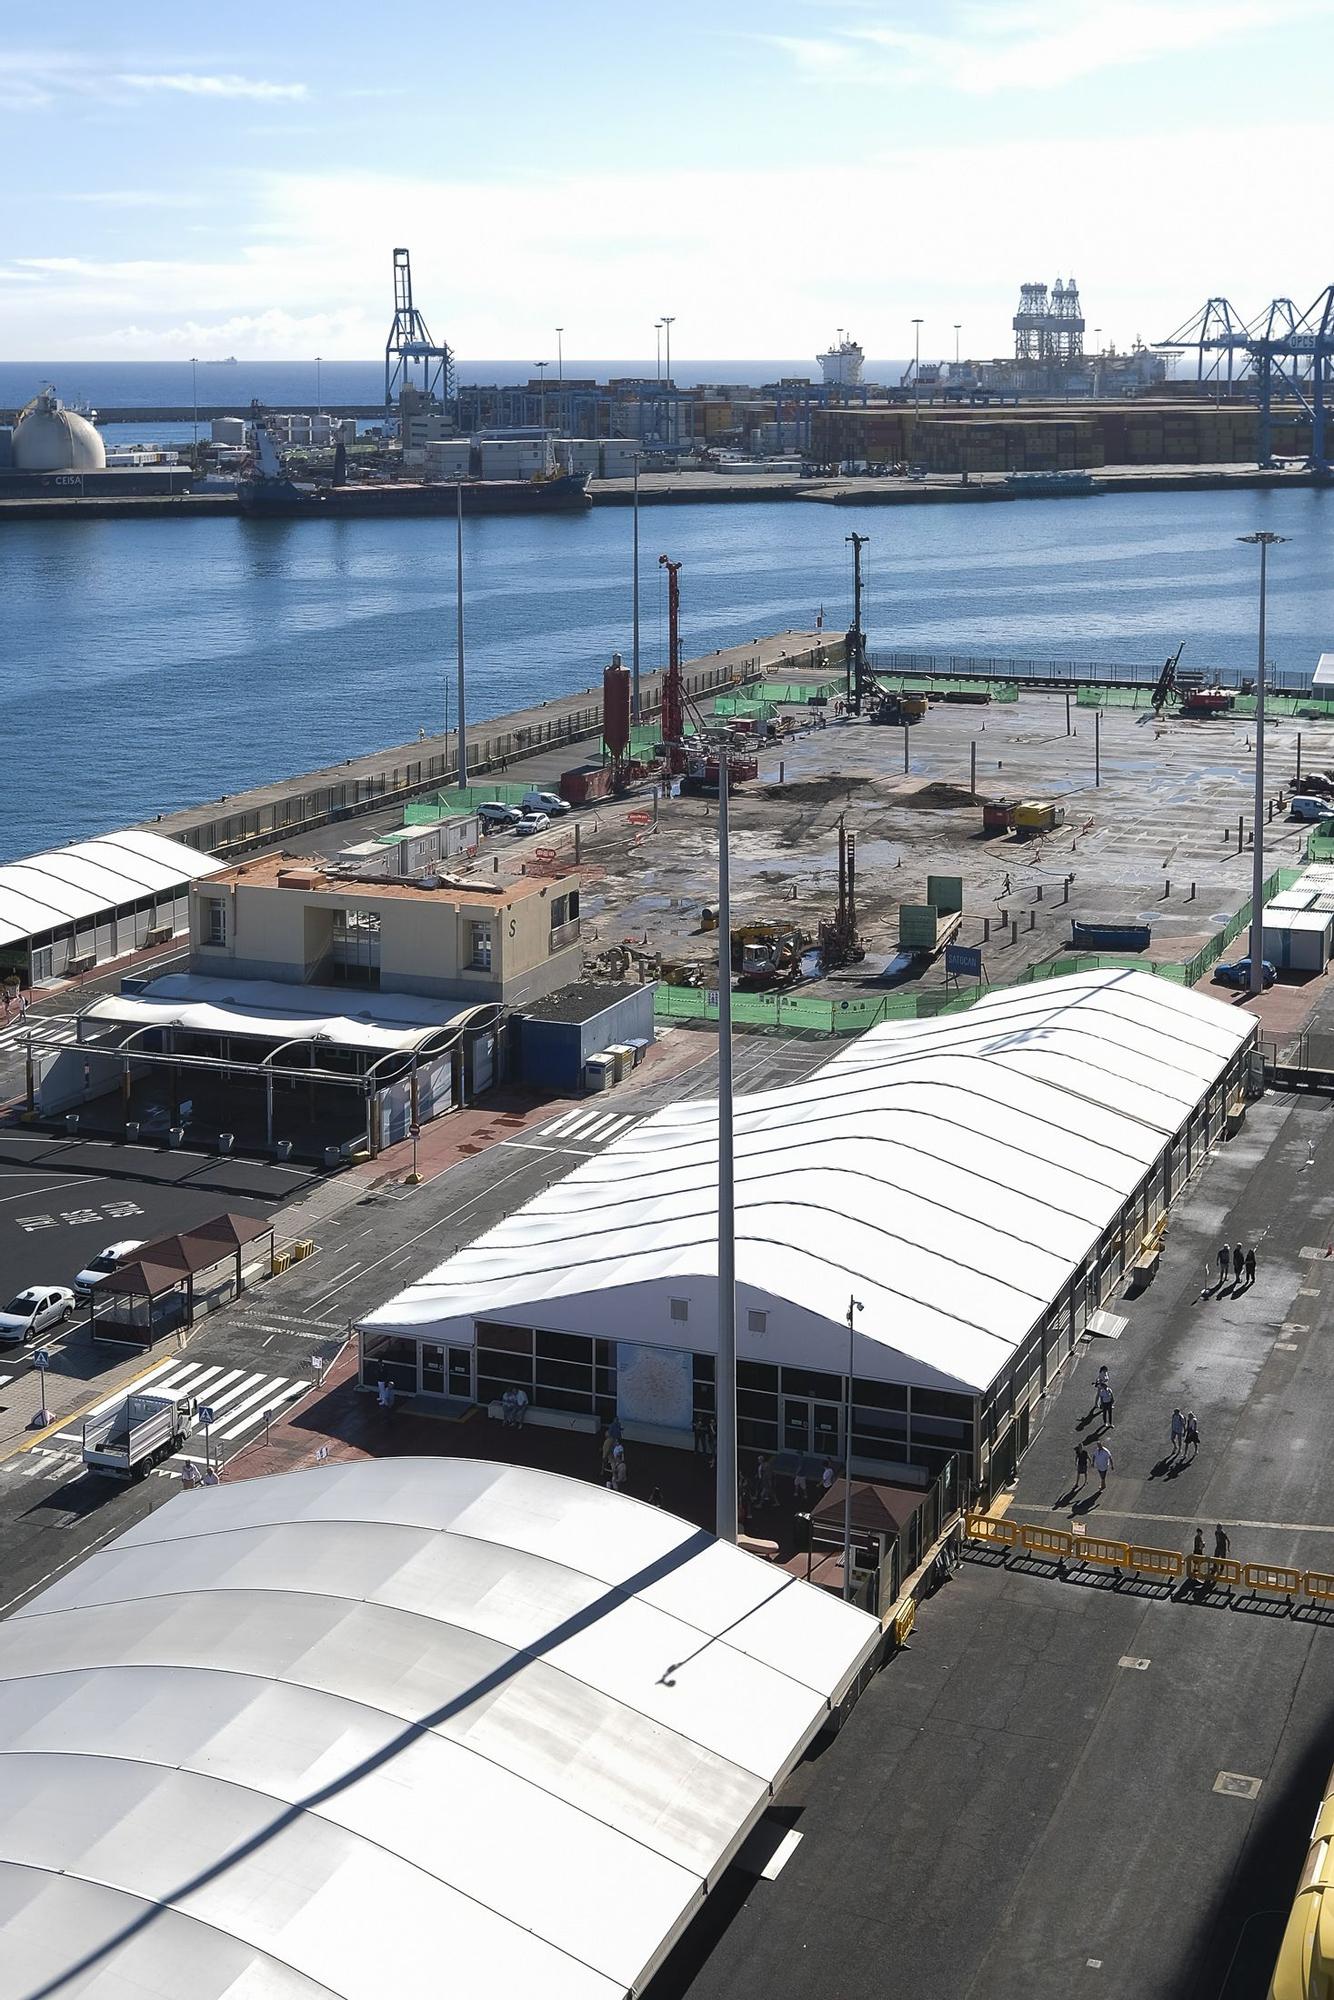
541 368
194 399
667 319
462 733
1264 541
958 328
657 328
854 1307
560 358
634 602
725 1367
319 398
916 367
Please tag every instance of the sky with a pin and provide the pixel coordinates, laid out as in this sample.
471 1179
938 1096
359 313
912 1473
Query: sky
181 179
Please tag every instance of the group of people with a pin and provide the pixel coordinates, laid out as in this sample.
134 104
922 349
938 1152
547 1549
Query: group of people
1094 1454
1233 1258
514 1408
615 1470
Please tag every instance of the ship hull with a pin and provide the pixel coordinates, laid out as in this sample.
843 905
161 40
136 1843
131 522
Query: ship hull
283 500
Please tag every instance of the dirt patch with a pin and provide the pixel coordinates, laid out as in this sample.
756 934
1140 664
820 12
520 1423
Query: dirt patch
813 791
936 798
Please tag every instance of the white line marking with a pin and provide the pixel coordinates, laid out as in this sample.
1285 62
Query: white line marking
266 1389
237 1389
257 1416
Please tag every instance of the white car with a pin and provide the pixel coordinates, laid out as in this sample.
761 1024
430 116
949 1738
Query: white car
533 823
104 1263
493 813
545 802
33 1310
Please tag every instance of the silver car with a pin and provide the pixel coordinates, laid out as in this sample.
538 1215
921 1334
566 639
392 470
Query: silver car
33 1310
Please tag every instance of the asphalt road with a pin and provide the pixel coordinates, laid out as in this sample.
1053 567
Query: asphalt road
1078 1786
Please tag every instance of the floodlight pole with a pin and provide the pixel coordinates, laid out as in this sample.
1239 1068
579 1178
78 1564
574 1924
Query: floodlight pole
634 599
458 622
1264 541
725 1367
854 1307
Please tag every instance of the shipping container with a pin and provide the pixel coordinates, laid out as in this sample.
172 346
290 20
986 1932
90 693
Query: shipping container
591 781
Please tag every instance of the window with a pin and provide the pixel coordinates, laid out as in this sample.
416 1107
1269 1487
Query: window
355 954
808 1382
215 920
680 1311
756 1321
479 952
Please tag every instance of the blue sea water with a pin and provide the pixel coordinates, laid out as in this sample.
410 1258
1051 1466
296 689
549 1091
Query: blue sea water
148 665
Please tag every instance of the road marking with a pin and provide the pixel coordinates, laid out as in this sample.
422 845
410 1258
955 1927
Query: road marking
1191 1520
257 1395
275 1408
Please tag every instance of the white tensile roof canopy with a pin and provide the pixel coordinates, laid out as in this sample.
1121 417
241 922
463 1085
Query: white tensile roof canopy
954 1173
278 1010
92 878
395 1728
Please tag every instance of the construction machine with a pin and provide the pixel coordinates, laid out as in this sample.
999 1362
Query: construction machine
838 940
767 954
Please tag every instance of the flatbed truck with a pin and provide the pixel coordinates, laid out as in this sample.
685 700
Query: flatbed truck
138 1434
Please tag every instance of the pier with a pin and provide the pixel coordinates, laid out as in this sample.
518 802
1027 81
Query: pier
294 806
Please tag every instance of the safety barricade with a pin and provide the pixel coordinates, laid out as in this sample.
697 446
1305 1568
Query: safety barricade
281 1261
999 1533
1156 1562
903 1619
1274 1579
1215 1571
1102 1549
1040 1541
305 1247
1319 1586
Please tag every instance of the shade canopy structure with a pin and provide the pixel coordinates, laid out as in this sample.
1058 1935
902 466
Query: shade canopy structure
276 1011
398 1727
91 879
953 1174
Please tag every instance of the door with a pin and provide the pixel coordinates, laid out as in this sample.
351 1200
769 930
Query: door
812 1427
432 1369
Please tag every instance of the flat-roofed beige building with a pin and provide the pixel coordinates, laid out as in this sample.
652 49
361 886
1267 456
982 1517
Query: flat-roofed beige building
295 921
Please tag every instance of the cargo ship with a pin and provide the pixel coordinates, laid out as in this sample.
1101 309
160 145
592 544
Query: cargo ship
271 495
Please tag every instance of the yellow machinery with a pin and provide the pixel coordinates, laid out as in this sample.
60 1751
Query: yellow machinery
1305 1968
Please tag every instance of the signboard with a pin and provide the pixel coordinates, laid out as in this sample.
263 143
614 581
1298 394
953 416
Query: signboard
206 1415
41 1359
963 961
414 1131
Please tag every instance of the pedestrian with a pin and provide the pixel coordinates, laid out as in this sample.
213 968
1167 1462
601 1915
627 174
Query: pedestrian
507 1409
1238 1263
1192 1437
1224 1260
23 1006
211 1476
711 1442
1250 1267
1081 1464
1102 1380
1199 1542
608 1447
1106 1400
799 1494
828 1475
520 1407
655 1498
764 1479
700 1433
620 1471
1178 1431
1222 1546
1103 1463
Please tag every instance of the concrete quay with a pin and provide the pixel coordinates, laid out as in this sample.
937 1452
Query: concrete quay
293 806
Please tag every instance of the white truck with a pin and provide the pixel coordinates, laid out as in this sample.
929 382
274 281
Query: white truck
138 1434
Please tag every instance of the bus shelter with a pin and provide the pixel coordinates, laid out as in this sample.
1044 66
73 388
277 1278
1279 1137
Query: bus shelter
160 1291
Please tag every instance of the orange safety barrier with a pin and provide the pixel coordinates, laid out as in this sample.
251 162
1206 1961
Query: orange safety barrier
987 1528
1156 1562
1040 1541
1273 1577
1214 1569
1319 1584
905 1617
1102 1549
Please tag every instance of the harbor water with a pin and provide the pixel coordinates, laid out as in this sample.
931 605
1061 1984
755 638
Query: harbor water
149 665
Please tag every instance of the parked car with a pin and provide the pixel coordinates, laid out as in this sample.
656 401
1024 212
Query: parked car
1304 806
554 805
533 823
33 1310
1237 972
104 1263
493 814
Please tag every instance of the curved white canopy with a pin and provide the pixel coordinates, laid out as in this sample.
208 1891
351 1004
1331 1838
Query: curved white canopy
91 878
398 1727
954 1173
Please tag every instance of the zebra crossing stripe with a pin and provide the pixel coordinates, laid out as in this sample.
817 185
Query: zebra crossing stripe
587 1126
252 1397
289 1395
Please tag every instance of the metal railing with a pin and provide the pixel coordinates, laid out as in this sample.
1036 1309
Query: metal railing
1106 673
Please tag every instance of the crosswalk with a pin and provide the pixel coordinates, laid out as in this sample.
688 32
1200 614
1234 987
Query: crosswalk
584 1130
48 1031
238 1398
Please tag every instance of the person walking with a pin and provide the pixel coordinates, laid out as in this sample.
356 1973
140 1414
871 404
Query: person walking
1198 1549
764 1479
1178 1431
620 1471
1106 1403
1081 1465
1238 1263
1102 1380
1103 1463
1222 1549
1250 1267
1224 1261
1192 1441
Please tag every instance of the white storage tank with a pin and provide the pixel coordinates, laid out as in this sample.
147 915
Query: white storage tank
228 430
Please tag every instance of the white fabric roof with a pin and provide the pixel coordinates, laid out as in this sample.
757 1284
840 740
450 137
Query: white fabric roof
395 1728
954 1173
91 878
271 1007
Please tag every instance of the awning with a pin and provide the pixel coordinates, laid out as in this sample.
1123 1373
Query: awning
275 1011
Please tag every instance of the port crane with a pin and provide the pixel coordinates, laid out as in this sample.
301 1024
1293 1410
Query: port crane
410 342
1285 357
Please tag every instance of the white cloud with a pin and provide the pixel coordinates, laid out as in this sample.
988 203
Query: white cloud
1033 44
186 83
733 260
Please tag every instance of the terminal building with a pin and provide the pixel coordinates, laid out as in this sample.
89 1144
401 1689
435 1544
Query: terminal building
86 905
970 1191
